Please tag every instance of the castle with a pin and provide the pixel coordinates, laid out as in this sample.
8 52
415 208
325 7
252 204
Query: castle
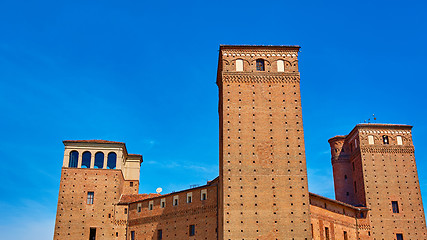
261 192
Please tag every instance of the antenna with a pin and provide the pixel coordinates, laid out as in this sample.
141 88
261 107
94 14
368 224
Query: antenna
159 190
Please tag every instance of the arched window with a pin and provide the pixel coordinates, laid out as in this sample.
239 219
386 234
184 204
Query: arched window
86 157
280 65
111 161
260 65
74 159
385 139
239 65
99 160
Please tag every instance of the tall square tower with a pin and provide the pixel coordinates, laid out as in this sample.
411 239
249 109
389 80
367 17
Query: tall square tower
263 176
374 166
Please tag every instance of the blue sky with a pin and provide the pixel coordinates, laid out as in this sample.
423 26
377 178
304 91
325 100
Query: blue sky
143 72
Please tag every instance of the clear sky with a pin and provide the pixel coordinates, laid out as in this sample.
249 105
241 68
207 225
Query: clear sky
143 72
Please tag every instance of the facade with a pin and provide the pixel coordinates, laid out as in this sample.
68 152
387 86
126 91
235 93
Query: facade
261 192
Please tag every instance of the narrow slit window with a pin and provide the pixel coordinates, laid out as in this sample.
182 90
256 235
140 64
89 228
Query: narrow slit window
90 197
150 205
326 233
159 234
132 235
260 65
192 230
92 234
395 206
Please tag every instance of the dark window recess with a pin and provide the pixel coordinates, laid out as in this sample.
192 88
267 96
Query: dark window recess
159 234
395 206
132 235
326 233
345 177
362 215
74 158
117 234
260 65
131 184
385 139
111 160
353 166
139 208
126 211
204 196
192 230
86 158
90 197
399 236
92 234
355 187
345 235
99 160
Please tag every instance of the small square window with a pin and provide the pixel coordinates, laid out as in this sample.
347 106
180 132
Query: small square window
399 236
131 184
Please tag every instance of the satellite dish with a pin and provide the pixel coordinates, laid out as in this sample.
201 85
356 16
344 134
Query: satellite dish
159 190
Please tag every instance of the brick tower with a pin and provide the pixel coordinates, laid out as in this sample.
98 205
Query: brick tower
374 166
94 175
263 179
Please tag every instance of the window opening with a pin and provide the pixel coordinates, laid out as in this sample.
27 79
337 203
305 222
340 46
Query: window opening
399 236
86 158
74 158
99 160
159 234
385 139
111 160
395 206
132 235
280 65
260 65
90 197
192 230
239 65
327 233
92 234
345 235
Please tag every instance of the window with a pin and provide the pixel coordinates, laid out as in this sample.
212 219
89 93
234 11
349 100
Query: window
99 160
111 160
132 235
189 197
159 234
162 203
150 205
385 139
192 230
260 65
126 211
395 206
86 158
175 200
362 215
399 140
74 159
326 233
355 187
90 197
92 234
280 65
131 184
239 65
203 194
345 235
371 139
399 236
138 208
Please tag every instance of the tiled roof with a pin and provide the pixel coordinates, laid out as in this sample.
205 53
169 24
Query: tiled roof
338 202
91 141
130 198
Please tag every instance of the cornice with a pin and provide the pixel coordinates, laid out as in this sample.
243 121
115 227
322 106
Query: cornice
250 77
387 149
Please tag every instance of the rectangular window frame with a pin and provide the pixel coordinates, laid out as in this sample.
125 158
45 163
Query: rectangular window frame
90 198
192 230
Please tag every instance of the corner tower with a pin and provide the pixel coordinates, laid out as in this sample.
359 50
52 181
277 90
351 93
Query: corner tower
374 166
95 174
263 179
